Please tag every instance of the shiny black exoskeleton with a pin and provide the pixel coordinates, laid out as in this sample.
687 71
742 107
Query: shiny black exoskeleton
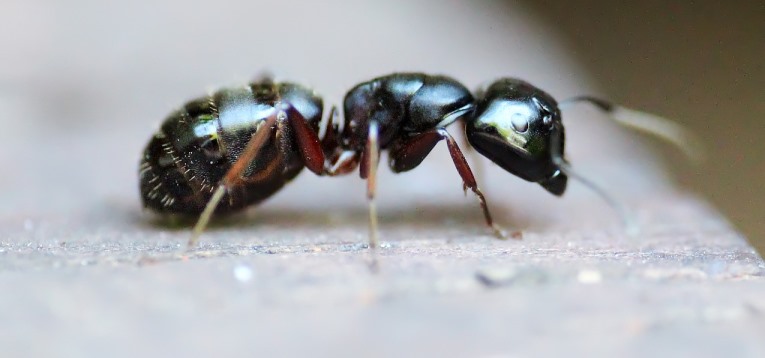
512 123
240 145
518 127
199 143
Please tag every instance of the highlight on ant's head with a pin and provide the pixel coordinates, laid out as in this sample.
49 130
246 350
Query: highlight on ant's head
518 127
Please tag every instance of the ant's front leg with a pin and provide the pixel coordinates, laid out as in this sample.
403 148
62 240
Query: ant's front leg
406 154
475 157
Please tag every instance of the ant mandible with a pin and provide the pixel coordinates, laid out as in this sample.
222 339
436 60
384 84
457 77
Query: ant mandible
240 145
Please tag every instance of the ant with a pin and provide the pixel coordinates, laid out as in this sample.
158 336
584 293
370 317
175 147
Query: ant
238 146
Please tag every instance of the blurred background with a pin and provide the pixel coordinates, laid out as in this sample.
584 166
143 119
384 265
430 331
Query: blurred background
701 63
84 83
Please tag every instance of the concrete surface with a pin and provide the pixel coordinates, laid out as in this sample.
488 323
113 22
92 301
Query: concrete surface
296 283
84 273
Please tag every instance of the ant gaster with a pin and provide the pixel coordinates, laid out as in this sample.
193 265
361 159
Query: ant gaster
239 146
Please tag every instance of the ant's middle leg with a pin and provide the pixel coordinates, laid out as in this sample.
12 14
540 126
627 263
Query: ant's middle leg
408 153
370 159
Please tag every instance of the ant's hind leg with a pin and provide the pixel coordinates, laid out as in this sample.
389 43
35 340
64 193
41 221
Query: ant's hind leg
307 141
233 175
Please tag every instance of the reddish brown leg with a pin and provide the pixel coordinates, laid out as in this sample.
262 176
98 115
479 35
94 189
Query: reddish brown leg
408 154
289 126
475 157
307 140
233 174
308 143
345 163
336 160
331 140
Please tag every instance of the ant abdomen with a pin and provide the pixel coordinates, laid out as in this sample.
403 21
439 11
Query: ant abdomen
197 145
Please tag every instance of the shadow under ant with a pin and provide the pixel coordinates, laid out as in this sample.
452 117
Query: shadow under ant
421 215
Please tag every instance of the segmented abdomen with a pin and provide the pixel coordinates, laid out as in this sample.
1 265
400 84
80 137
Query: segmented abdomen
197 144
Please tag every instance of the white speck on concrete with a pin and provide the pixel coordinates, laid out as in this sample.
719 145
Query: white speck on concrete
589 277
243 273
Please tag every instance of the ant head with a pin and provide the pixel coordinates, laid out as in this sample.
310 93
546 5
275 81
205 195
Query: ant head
518 127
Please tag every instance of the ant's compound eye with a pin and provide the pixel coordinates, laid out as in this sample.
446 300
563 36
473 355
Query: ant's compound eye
547 119
520 122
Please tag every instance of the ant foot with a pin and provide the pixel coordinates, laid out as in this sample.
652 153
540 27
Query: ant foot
501 234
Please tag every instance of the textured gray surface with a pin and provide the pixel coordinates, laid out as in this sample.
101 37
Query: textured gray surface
84 273
689 285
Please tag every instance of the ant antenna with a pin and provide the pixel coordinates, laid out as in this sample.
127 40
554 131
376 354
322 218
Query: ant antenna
648 123
628 220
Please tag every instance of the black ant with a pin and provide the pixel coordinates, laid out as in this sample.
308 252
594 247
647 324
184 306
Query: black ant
238 146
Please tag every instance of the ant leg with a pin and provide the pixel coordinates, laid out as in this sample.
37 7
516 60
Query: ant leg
331 139
408 154
468 180
234 173
344 163
336 161
307 140
475 157
368 171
